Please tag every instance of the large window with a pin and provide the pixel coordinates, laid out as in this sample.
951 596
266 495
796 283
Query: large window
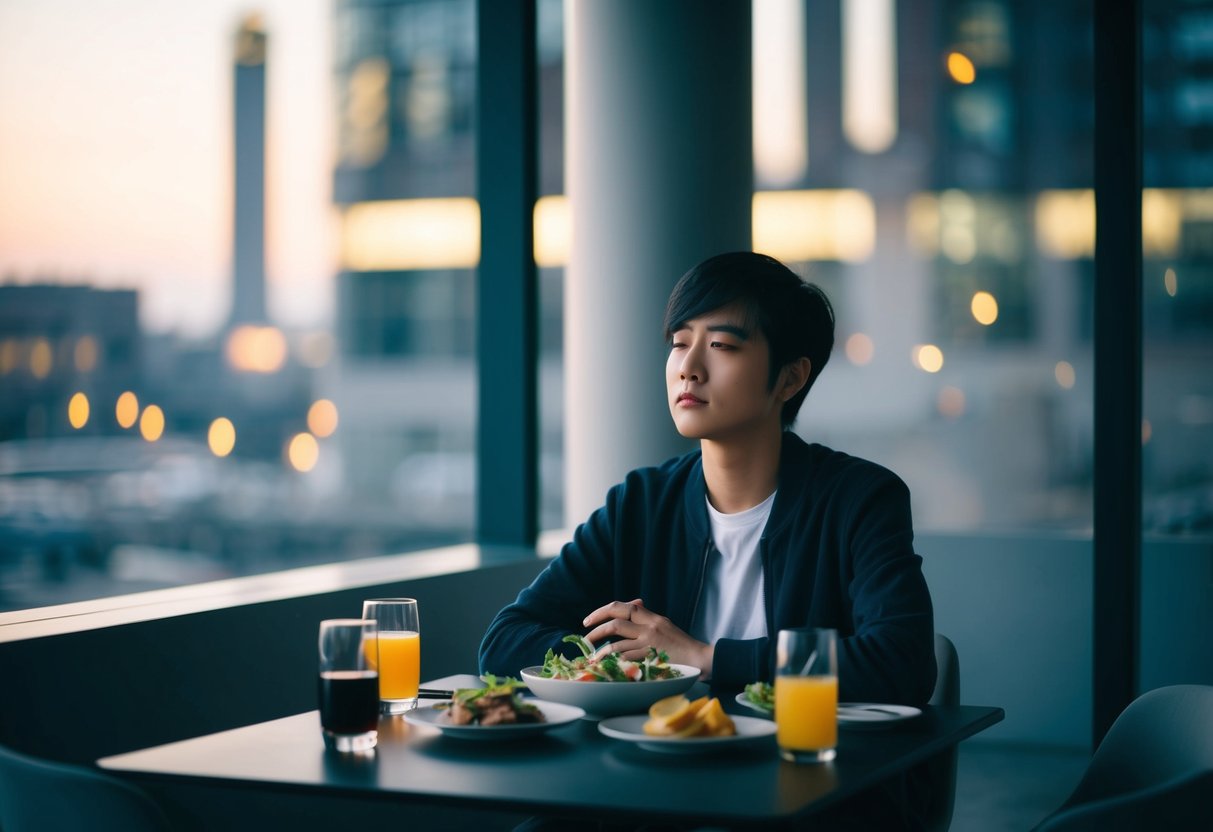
238 271
213 359
1177 288
950 166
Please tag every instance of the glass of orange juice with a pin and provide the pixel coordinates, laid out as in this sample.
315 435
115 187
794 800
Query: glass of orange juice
397 650
806 694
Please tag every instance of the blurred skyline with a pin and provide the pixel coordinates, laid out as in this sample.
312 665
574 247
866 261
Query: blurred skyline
116 153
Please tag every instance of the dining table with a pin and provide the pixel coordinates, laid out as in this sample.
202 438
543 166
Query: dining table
279 773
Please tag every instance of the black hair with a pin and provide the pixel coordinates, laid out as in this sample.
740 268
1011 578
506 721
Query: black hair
795 317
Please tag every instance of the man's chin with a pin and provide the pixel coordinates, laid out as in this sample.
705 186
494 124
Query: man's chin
688 431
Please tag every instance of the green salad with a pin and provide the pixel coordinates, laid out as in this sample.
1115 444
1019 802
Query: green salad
606 668
761 694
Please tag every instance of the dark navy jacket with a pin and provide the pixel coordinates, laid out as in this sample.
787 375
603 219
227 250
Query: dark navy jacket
837 552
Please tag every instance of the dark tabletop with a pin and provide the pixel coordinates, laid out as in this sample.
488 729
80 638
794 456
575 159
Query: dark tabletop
419 763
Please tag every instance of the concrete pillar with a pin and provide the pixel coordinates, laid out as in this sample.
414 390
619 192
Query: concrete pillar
659 175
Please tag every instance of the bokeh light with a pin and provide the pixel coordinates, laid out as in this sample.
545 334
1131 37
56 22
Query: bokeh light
1170 282
1147 431
984 308
927 357
1064 373
303 452
951 402
151 423
126 411
77 411
221 437
10 351
85 354
256 349
961 68
860 349
41 358
322 418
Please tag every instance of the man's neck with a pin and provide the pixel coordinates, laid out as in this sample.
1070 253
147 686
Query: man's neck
741 475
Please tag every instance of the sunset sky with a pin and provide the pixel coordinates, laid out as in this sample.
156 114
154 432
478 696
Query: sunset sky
116 153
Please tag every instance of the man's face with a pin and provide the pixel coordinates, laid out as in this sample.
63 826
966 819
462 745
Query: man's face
716 378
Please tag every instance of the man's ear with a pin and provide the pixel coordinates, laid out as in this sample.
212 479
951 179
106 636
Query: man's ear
793 377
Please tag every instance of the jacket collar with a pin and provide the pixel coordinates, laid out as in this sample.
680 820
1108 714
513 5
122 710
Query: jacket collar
794 461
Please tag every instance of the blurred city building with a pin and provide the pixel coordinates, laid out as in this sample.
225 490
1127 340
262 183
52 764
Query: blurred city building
248 225
931 170
57 341
405 377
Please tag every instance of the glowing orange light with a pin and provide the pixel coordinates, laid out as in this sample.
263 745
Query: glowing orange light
928 358
151 423
256 349
961 68
221 437
77 411
127 409
322 418
303 452
814 225
984 308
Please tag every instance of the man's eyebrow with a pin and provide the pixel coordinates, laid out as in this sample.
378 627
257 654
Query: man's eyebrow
732 329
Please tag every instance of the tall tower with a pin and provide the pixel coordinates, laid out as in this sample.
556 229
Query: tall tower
248 255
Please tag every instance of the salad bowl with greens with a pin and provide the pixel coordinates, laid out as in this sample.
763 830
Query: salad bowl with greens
607 685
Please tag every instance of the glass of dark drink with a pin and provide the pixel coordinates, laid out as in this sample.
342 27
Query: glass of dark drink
349 684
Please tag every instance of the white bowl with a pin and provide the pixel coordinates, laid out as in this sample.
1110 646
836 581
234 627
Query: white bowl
609 698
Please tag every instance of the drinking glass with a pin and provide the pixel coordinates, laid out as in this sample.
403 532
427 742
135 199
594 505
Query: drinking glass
349 684
806 694
399 651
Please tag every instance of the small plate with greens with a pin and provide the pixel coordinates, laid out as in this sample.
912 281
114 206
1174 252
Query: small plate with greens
760 697
496 711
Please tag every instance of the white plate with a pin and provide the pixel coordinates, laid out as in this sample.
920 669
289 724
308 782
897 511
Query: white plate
860 716
741 699
609 698
435 716
870 716
750 730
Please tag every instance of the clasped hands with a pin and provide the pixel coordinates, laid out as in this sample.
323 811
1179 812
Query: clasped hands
635 629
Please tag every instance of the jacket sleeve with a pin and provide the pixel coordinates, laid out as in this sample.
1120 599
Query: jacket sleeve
889 654
574 584
737 662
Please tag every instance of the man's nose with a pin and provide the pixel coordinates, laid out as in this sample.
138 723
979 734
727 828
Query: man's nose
692 368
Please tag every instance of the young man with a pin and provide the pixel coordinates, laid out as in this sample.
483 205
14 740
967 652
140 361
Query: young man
709 555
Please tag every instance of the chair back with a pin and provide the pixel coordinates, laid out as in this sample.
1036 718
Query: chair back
37 795
1153 769
940 770
947 673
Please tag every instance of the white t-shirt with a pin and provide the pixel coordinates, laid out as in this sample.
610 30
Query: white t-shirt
730 604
